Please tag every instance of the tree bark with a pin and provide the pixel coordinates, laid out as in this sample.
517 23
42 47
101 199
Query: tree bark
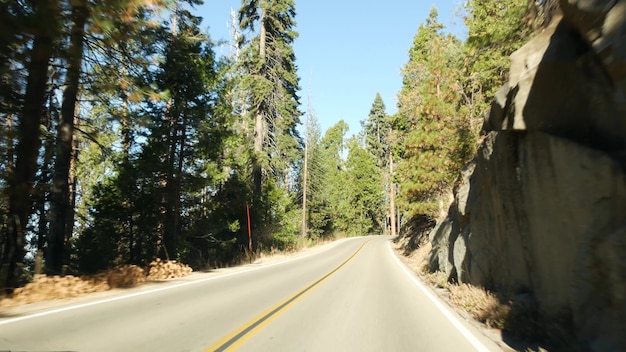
257 172
173 185
43 188
168 207
259 124
71 213
262 36
179 181
392 192
21 181
169 240
126 184
305 177
61 204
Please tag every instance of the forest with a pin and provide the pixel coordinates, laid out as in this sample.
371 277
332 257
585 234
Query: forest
124 137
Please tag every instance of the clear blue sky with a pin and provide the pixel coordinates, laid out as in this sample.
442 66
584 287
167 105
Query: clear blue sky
347 50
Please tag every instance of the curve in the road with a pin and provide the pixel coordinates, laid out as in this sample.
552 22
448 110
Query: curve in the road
242 334
349 296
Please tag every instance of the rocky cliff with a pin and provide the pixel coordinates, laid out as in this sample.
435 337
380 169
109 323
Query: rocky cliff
541 209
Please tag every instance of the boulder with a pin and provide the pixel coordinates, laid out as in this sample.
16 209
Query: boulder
558 86
541 210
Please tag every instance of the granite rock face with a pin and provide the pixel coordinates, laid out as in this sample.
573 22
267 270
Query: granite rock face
541 209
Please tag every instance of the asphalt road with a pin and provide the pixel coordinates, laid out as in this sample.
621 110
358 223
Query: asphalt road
352 295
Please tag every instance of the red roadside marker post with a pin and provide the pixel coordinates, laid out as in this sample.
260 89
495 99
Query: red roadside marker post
249 231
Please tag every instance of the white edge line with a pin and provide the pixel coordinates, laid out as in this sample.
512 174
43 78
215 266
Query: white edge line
479 346
146 292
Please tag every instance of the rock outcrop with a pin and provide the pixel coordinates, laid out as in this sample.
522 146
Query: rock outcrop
541 209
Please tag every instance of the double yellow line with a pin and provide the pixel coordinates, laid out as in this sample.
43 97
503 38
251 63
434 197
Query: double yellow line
239 336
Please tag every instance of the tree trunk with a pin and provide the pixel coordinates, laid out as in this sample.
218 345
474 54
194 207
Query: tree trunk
262 35
44 187
61 204
165 182
9 135
259 123
257 172
178 182
4 241
22 180
392 193
172 187
167 209
166 230
125 122
71 213
304 178
127 184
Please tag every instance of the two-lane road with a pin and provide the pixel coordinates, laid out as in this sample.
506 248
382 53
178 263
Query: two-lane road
352 296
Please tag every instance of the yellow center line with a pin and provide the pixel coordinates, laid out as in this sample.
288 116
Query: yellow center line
240 335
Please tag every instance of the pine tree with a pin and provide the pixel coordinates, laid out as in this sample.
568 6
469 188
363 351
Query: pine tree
120 52
164 167
62 197
334 196
41 20
430 128
315 174
365 190
376 130
91 25
271 83
156 187
495 30
377 134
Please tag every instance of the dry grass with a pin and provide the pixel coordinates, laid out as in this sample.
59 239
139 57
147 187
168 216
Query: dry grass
493 310
481 304
417 260
264 254
438 279
46 288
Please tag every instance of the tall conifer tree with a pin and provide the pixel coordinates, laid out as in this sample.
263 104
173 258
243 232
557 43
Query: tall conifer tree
377 132
429 124
365 191
271 82
40 22
335 193
375 129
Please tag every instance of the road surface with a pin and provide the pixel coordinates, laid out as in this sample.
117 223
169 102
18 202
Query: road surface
352 295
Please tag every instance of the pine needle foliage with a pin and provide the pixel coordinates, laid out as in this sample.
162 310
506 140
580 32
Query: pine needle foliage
447 88
270 83
430 129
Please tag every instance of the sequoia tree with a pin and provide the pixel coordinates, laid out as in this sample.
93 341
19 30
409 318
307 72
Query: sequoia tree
271 83
377 132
